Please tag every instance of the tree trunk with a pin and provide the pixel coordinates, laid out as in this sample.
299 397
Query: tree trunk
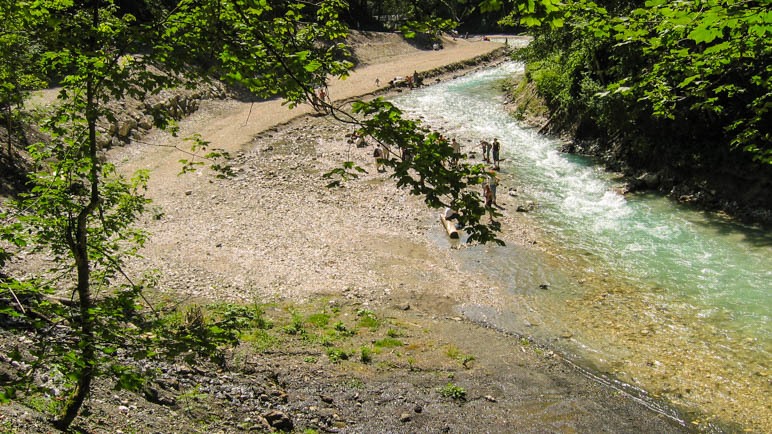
77 237
78 241
9 130
87 356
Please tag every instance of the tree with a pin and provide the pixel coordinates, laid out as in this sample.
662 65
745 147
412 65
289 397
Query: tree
472 14
78 207
17 51
673 66
706 59
82 212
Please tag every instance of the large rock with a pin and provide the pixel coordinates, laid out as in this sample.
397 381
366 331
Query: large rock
650 180
125 127
528 206
146 122
279 420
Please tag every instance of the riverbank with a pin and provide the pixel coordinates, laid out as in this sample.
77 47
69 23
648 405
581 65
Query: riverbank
274 235
658 295
733 189
277 234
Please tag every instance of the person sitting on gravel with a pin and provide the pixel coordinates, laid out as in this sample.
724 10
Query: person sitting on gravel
450 214
493 182
358 140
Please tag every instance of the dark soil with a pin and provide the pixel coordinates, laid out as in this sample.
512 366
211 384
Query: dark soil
480 380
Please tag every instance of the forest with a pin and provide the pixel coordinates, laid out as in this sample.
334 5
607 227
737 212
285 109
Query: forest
677 88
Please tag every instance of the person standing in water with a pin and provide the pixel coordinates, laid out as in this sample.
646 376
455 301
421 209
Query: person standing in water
496 150
486 149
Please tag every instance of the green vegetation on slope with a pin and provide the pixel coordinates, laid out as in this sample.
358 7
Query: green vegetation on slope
680 87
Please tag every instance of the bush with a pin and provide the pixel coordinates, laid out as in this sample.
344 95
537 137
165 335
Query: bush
454 392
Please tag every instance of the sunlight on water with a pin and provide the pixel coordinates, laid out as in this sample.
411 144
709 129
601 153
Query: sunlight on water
653 292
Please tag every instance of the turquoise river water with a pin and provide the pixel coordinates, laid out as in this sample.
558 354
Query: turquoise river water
649 292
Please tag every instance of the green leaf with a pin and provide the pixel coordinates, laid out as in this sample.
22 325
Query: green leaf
312 66
688 80
705 34
530 21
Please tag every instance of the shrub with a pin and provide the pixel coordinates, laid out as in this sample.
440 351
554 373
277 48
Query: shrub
452 391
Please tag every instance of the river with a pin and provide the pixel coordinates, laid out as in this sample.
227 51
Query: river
639 289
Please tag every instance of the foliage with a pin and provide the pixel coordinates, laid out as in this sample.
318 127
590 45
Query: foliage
665 69
197 333
296 327
271 48
217 158
453 391
78 208
341 329
708 59
80 211
336 355
380 15
433 28
17 54
424 163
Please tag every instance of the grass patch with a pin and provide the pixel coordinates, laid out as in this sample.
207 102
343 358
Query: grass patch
365 354
260 339
296 327
454 392
394 333
336 355
43 404
192 399
454 353
355 383
341 329
388 343
319 320
368 319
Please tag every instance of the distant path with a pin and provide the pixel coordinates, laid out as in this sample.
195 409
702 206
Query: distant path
231 125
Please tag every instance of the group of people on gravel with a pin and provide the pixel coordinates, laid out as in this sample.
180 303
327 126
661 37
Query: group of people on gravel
491 154
412 81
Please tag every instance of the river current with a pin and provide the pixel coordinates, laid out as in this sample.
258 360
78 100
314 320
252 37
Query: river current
660 296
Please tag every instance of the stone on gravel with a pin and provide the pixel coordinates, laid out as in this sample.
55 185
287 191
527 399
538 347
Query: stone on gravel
279 420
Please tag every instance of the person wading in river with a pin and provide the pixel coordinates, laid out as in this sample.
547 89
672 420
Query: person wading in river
486 151
496 149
